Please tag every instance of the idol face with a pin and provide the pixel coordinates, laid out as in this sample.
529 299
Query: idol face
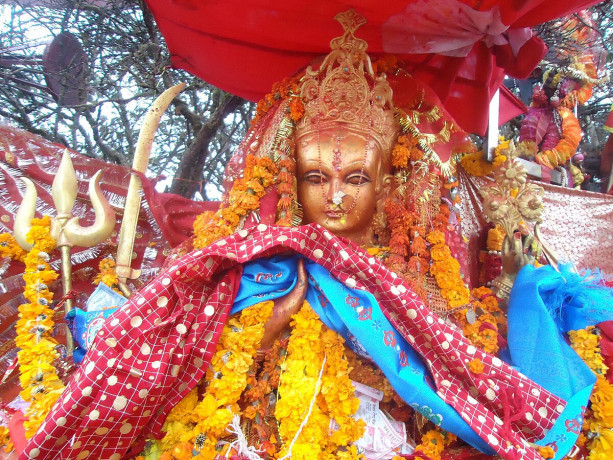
341 178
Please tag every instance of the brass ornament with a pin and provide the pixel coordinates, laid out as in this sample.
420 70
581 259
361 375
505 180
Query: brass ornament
65 227
511 202
511 199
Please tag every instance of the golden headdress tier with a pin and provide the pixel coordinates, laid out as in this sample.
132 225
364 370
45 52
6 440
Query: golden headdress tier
345 90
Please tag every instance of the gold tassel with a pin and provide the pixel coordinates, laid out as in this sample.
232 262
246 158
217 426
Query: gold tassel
445 133
297 213
433 114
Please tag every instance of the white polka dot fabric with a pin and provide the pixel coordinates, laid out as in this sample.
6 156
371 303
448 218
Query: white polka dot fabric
153 350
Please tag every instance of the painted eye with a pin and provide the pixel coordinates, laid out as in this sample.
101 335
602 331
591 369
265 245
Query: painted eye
314 178
357 179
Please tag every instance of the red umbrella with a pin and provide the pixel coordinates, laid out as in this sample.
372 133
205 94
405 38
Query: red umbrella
461 49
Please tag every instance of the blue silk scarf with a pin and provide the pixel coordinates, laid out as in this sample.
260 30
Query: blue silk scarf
355 315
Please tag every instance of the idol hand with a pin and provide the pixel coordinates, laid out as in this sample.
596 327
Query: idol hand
515 254
285 307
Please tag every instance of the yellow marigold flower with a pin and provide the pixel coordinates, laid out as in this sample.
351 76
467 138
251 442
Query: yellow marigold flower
216 424
10 248
546 452
44 277
184 410
602 446
440 252
435 237
499 160
475 165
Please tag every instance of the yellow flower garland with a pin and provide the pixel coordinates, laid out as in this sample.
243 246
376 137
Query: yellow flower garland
40 384
10 248
587 345
194 424
309 343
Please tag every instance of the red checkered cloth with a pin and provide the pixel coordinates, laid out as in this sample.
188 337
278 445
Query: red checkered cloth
157 347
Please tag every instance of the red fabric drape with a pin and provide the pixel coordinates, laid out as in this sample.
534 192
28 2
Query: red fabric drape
245 46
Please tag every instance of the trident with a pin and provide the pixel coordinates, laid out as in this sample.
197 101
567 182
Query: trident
65 228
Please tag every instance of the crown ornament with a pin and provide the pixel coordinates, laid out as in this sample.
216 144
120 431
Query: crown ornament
345 90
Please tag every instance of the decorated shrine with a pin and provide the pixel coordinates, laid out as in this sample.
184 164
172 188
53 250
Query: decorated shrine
375 283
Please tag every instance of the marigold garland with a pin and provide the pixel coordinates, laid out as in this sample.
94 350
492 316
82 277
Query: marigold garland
598 423
108 275
260 173
485 329
10 248
194 427
40 384
406 150
197 425
286 187
287 88
446 271
568 143
400 221
259 404
309 342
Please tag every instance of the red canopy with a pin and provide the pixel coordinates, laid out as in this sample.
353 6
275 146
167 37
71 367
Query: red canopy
244 46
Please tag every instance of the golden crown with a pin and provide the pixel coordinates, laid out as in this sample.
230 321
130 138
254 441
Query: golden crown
346 90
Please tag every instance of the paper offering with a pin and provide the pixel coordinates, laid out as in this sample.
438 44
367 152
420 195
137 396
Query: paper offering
383 437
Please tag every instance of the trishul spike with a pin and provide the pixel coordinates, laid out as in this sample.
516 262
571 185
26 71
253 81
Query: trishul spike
25 214
65 228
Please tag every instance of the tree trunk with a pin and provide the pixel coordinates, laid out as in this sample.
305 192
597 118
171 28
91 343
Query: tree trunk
188 179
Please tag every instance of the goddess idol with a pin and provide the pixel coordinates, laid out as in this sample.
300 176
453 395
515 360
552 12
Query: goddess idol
321 248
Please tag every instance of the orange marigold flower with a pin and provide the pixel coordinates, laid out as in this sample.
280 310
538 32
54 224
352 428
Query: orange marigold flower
418 230
546 452
399 244
476 366
296 108
285 176
418 247
481 292
285 188
250 412
284 202
288 164
230 216
400 156
436 237
440 252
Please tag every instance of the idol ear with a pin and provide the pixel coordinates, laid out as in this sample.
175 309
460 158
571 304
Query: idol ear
387 181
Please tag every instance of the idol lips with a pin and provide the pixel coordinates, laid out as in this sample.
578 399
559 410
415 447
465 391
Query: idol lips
335 214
